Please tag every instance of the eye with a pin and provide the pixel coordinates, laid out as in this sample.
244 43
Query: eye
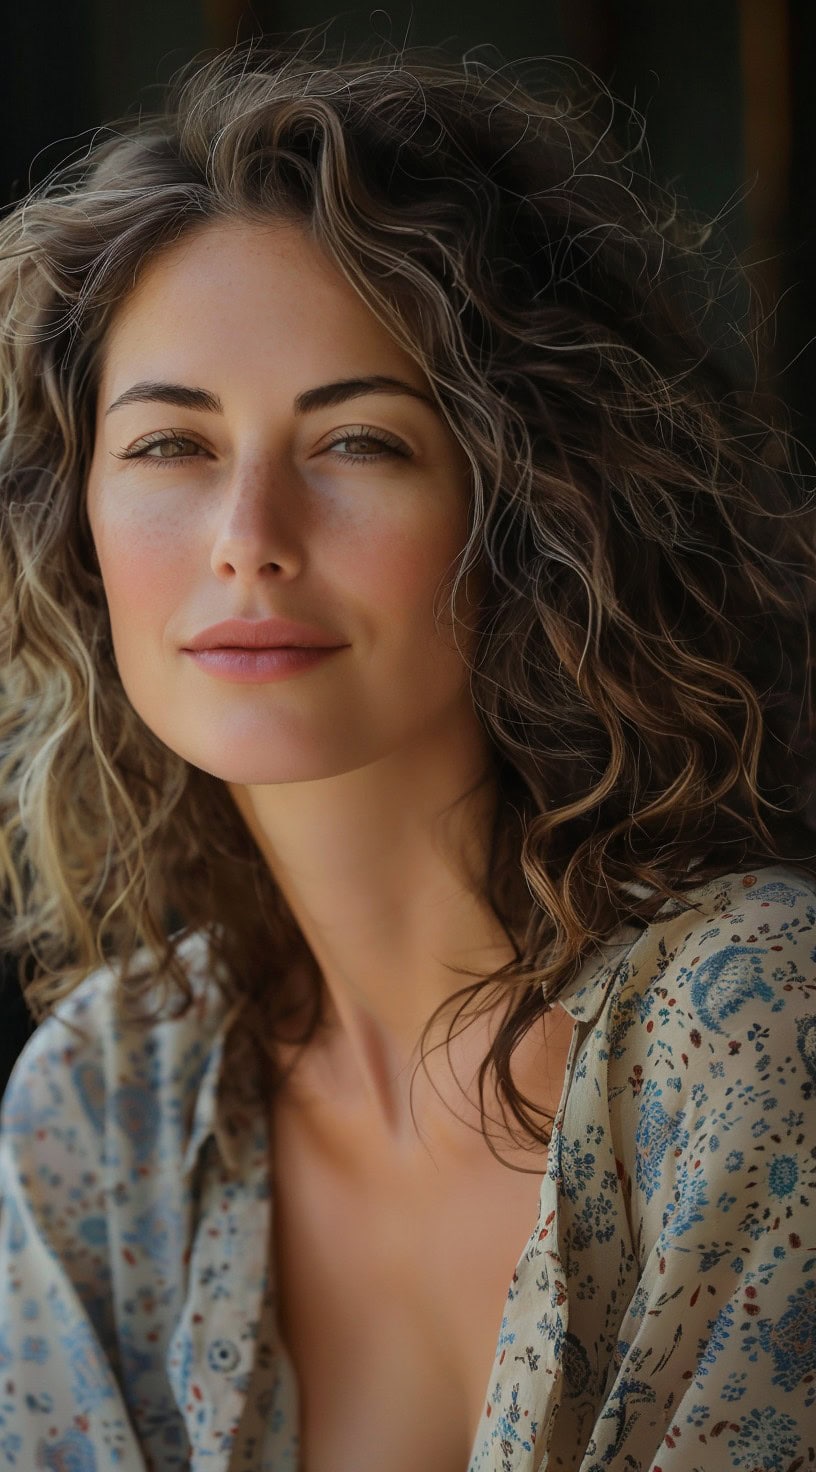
170 447
159 440
362 434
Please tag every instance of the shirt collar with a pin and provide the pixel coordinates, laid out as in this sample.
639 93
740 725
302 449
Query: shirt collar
584 996
205 1113
240 1133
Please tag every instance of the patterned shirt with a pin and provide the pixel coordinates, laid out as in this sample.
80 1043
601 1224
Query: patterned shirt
662 1314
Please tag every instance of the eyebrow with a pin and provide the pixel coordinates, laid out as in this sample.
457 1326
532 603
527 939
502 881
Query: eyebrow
325 396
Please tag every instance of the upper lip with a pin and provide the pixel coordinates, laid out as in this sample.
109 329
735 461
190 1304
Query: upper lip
264 633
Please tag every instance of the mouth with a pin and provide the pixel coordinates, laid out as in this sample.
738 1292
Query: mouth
260 648
255 648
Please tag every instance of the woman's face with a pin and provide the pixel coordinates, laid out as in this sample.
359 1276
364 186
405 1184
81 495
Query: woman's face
347 516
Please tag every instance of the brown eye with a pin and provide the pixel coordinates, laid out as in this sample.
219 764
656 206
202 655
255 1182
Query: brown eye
166 444
385 445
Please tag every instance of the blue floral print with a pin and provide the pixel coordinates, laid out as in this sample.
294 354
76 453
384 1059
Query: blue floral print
662 1314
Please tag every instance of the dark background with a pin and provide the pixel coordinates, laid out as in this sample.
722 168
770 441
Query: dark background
726 86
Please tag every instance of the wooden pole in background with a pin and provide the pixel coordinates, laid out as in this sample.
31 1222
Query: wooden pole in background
767 137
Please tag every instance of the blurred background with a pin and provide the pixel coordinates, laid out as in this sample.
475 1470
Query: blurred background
726 88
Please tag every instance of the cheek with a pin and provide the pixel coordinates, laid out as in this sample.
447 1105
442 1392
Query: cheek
399 584
402 571
142 567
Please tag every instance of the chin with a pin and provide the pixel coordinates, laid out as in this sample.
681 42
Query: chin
251 771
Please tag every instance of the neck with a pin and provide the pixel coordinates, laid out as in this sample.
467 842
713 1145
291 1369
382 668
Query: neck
388 895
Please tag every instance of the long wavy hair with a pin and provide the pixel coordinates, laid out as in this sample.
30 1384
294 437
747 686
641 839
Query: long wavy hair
642 660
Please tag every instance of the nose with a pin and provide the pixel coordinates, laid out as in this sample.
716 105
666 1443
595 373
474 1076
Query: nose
253 529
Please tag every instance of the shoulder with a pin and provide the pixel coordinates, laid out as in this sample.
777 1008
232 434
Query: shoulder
100 1129
746 949
709 1037
689 1195
89 1071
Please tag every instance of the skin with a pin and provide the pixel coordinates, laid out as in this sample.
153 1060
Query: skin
340 772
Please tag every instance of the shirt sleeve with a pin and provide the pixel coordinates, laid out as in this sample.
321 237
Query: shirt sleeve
61 1404
715 1364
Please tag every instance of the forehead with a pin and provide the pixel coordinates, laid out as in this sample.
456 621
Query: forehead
268 282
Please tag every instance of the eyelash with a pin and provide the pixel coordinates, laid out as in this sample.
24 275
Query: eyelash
363 432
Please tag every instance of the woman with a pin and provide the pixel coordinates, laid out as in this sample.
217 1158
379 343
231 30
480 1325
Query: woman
388 358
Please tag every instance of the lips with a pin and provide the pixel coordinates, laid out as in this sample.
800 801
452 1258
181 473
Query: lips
260 666
267 633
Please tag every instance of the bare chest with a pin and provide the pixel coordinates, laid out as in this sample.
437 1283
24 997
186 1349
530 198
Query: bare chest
392 1285
390 1304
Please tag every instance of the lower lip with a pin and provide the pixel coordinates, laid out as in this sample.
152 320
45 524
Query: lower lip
256 666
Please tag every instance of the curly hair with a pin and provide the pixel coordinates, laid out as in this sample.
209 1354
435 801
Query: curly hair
642 657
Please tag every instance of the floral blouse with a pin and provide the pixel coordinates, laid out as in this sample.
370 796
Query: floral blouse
662 1314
